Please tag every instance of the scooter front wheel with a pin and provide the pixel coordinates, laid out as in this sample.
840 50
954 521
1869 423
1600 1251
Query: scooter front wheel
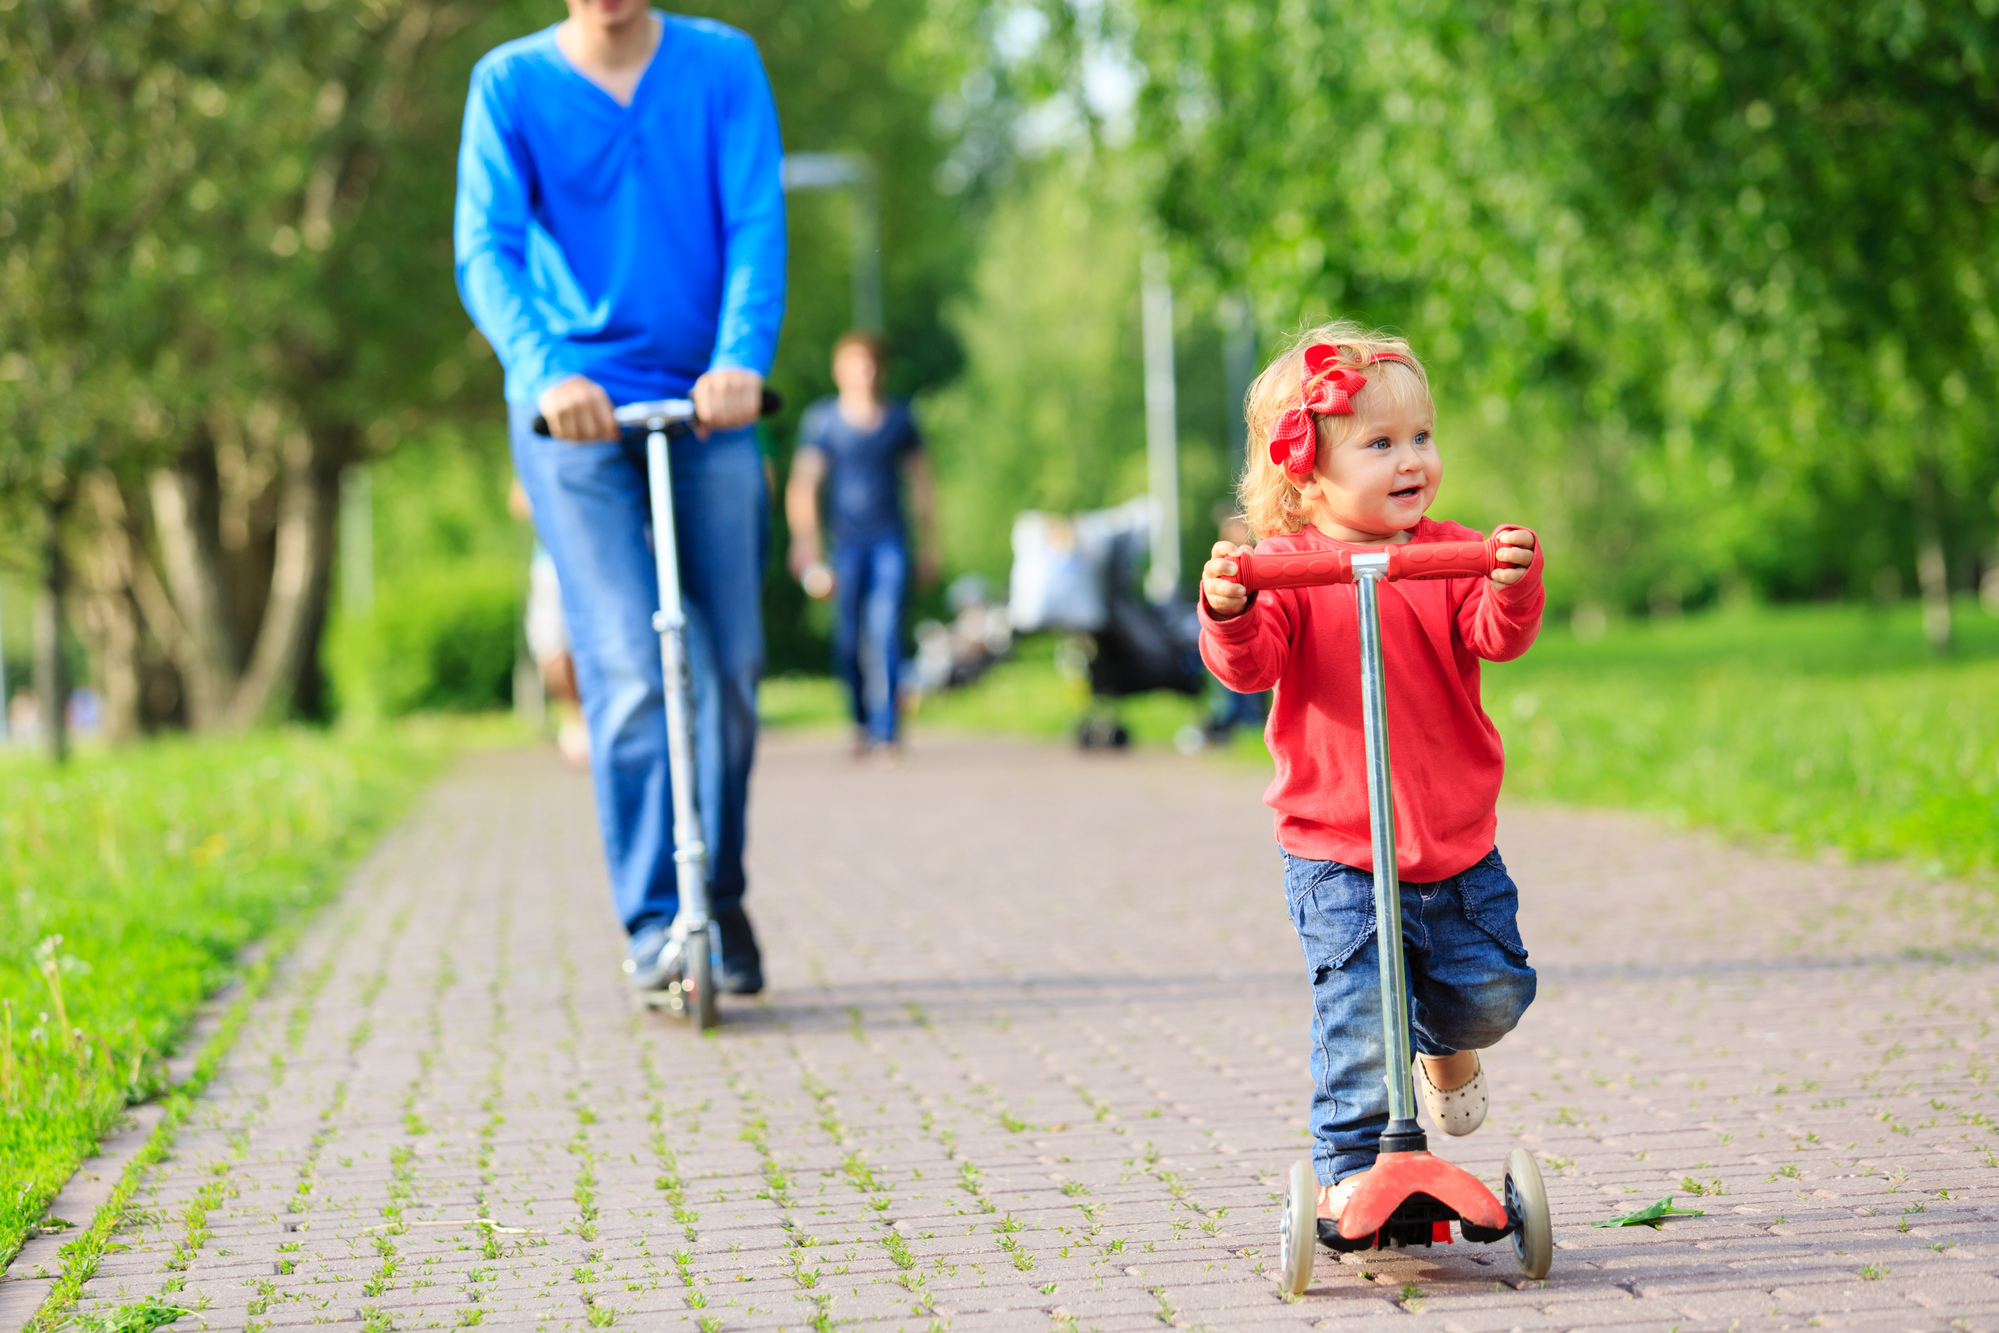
1527 1210
1298 1230
699 979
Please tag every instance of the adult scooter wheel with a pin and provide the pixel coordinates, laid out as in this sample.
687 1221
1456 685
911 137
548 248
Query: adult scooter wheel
699 979
1527 1210
1298 1230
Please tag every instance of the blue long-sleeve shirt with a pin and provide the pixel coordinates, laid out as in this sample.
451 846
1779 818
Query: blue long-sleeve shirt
639 245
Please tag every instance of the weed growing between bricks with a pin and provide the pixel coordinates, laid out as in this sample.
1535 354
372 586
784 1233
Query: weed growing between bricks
82 1255
473 1312
777 1189
135 880
194 1234
597 1311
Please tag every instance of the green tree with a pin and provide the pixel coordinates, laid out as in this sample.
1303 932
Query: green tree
861 77
229 278
1050 412
1819 181
1704 286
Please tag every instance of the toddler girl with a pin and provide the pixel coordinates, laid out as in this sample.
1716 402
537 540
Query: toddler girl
1341 453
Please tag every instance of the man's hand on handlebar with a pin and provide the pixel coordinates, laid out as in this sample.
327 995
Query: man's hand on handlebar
579 409
1515 553
1227 598
726 399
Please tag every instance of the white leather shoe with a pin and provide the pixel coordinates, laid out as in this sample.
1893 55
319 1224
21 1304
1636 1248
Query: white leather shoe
1457 1111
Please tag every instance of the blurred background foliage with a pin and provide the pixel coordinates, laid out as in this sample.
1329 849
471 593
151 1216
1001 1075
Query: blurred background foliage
1705 287
1705 290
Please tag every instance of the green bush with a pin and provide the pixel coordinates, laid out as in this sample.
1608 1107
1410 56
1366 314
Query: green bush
435 640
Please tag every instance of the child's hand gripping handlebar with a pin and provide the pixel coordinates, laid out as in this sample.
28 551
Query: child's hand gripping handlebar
1430 560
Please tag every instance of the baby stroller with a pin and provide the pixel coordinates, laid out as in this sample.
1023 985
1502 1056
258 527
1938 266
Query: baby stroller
1083 575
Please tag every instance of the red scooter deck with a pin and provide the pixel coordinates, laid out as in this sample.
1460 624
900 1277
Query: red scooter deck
1396 1176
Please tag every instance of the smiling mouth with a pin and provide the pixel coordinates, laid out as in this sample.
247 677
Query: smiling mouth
1406 493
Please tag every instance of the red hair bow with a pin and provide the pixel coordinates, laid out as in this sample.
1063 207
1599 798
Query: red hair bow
1326 388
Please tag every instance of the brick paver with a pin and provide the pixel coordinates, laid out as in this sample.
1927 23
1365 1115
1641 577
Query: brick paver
1035 1059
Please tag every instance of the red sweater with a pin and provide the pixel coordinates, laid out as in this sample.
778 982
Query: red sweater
1444 751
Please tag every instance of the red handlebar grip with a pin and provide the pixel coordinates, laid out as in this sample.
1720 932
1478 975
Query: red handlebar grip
1301 569
1312 569
1441 560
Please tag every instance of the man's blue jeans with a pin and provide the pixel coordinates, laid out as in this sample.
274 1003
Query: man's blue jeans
872 578
591 512
1469 983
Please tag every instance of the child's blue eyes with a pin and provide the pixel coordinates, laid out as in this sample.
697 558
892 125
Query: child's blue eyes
1422 438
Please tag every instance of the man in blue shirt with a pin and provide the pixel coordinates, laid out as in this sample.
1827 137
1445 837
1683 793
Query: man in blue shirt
860 446
620 237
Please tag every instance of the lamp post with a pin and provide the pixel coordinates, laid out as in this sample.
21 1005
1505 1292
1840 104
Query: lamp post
1162 445
1238 320
854 173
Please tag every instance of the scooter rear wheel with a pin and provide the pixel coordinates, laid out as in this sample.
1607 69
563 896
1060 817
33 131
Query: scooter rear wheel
1527 1209
700 979
1298 1230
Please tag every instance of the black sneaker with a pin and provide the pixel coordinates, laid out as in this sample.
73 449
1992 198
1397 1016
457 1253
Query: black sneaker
742 962
650 960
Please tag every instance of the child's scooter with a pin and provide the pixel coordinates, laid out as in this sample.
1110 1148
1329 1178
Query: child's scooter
691 991
1408 1197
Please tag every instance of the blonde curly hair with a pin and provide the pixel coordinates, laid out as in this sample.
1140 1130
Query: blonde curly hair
1269 495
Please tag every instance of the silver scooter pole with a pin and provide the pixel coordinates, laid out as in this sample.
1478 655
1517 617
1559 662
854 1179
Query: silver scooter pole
693 929
693 938
1403 1134
1367 570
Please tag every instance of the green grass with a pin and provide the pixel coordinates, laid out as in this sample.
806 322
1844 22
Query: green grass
131 881
1826 726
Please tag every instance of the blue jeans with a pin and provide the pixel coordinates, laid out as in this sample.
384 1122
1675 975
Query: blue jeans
1468 985
871 577
591 512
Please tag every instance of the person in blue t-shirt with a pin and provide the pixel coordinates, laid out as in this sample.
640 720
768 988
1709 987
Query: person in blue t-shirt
862 448
620 237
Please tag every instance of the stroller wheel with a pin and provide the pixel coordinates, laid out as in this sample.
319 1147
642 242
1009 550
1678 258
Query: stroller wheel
1297 1235
1098 732
1527 1210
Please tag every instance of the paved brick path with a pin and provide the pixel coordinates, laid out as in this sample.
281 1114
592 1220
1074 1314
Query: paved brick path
1035 1060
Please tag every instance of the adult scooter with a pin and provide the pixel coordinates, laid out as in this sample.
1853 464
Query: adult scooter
693 942
1408 1197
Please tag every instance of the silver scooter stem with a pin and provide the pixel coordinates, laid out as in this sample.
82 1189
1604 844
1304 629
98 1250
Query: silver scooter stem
690 852
1369 570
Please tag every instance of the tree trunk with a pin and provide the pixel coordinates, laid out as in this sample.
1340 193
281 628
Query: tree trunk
111 618
297 588
203 650
310 696
51 681
1932 569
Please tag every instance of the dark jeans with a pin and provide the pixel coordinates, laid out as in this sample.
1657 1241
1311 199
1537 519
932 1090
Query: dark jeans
591 512
871 578
1469 983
